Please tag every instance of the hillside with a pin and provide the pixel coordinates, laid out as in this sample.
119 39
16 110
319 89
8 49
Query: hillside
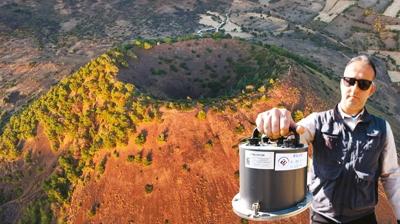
43 42
148 132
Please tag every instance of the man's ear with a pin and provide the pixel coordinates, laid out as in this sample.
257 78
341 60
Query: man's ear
373 89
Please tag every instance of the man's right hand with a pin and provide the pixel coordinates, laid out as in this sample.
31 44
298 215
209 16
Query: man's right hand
275 123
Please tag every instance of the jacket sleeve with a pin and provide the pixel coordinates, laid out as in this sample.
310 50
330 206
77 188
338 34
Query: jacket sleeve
390 175
309 124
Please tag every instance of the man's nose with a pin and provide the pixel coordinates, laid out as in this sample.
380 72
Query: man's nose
354 88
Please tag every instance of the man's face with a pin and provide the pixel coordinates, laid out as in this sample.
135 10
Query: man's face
353 98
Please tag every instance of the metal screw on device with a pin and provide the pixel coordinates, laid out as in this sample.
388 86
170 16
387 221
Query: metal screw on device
255 207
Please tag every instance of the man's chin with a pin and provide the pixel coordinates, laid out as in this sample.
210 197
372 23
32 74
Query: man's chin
352 103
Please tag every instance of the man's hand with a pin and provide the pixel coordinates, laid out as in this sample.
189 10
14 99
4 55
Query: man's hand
275 123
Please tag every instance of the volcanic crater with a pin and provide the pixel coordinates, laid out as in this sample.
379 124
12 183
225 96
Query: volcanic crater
202 68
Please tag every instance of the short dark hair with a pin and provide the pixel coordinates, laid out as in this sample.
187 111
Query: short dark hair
364 58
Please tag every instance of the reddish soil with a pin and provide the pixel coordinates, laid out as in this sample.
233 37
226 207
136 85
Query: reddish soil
33 175
202 194
193 181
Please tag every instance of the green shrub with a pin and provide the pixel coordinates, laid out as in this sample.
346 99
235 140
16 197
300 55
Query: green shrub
148 188
146 162
186 167
168 40
18 192
244 221
93 209
37 212
139 157
141 138
157 71
239 129
173 68
148 159
130 158
70 167
201 115
102 165
183 65
162 137
28 156
116 153
57 188
209 144
60 184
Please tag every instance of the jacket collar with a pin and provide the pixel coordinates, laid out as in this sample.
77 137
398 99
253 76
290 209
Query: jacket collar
364 117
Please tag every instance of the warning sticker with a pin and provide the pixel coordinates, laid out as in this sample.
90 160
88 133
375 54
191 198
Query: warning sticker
290 161
259 160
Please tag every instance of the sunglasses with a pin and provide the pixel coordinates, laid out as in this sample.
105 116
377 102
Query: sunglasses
361 83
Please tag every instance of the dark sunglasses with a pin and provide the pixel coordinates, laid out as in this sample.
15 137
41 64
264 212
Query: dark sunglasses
361 83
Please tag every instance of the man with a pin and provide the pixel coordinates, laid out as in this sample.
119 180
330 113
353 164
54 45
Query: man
352 149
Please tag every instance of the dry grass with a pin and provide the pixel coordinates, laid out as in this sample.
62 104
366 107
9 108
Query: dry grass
332 9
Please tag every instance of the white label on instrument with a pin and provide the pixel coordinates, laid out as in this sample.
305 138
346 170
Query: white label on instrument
259 160
290 161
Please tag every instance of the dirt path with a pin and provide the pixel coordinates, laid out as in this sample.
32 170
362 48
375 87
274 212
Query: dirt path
393 9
